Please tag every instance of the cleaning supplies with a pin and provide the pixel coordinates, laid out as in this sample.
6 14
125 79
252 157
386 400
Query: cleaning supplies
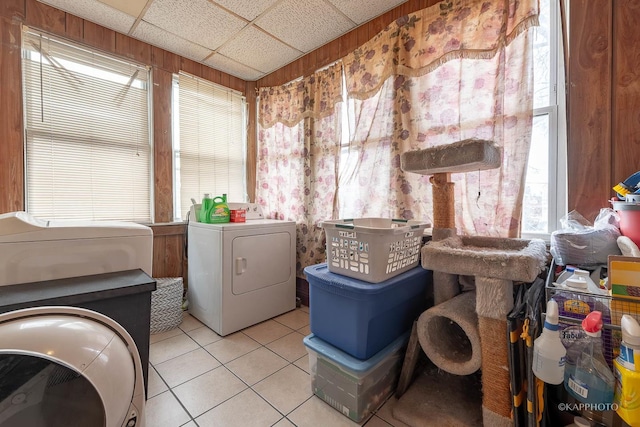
627 372
566 273
548 351
205 209
219 211
592 381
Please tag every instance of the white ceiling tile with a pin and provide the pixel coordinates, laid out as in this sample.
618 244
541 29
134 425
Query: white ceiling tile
248 9
229 66
198 21
158 37
259 50
97 12
361 11
131 7
304 24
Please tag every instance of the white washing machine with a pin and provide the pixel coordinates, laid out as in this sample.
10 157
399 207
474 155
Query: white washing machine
66 366
243 273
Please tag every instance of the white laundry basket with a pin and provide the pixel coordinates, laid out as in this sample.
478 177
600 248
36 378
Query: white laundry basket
166 304
373 249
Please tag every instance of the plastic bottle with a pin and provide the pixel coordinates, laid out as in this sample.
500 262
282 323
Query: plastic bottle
205 209
219 212
627 372
592 287
568 272
593 381
548 351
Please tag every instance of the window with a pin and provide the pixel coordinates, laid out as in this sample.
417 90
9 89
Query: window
209 141
87 132
544 200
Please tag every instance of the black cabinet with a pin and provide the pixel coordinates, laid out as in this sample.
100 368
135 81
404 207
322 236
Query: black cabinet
124 296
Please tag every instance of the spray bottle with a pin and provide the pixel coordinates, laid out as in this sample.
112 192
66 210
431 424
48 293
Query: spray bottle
548 351
627 372
593 381
205 208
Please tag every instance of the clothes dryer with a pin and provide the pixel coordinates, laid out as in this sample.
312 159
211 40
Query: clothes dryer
67 366
240 273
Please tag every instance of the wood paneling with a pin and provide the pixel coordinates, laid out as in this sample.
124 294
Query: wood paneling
626 90
133 49
169 251
99 37
589 144
12 9
44 17
74 27
11 149
162 150
167 61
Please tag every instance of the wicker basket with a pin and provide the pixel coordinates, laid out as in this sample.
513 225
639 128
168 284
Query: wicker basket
166 304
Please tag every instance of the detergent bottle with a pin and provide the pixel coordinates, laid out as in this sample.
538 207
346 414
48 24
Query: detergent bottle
627 372
592 381
548 351
205 208
219 212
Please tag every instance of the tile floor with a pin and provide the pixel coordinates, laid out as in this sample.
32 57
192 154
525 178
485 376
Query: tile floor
255 377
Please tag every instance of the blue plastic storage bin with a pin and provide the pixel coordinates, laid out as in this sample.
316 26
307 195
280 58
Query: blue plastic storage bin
354 387
361 318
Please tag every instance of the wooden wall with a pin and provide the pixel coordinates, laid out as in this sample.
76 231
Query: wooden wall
604 100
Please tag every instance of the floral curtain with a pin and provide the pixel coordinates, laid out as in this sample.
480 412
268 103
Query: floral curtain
457 70
298 147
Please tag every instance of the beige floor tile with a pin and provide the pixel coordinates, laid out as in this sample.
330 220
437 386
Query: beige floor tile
164 410
246 409
305 330
386 413
303 363
189 424
164 335
189 323
171 347
256 366
268 331
314 412
204 336
155 385
187 366
304 308
231 347
208 390
286 389
284 423
289 347
295 319
377 422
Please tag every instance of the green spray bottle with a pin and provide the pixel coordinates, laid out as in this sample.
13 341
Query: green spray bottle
205 208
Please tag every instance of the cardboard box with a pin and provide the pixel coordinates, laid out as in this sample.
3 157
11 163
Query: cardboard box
624 276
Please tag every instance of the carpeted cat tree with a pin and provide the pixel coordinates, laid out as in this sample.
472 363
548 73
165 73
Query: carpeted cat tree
464 332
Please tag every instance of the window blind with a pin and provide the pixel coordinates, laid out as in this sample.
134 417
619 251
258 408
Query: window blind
87 138
209 142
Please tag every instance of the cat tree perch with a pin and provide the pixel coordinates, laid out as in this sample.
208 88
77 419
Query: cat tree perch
496 263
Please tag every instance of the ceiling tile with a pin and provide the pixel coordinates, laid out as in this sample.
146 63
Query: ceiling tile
158 37
248 9
360 11
304 24
97 12
131 7
259 50
198 21
229 66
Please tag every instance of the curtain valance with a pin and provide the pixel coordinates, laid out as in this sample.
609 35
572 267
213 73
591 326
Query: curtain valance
418 43
313 96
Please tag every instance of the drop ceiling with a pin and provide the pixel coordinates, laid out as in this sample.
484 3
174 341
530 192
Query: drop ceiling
245 38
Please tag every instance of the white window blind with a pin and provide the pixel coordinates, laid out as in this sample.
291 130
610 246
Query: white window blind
88 146
209 142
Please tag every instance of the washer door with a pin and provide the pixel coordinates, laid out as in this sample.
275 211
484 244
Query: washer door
63 369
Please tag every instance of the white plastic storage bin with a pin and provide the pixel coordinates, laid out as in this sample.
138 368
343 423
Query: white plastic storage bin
352 386
373 249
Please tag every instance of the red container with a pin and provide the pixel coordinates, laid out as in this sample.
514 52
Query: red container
238 215
629 213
